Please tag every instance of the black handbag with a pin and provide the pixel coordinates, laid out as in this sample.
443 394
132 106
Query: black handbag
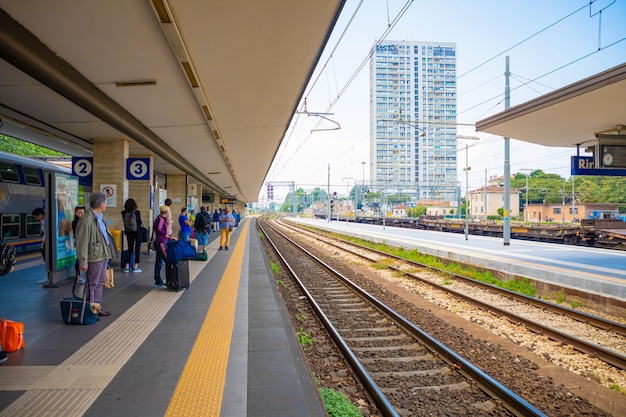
151 243
145 234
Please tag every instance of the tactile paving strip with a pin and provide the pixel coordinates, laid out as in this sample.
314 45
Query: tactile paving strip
201 386
69 389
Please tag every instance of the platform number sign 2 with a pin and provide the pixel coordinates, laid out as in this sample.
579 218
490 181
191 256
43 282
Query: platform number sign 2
82 167
138 169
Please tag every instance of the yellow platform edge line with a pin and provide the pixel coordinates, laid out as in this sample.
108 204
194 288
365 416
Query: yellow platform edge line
201 385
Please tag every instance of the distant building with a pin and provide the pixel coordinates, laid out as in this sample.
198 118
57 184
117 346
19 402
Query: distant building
414 82
399 211
486 202
318 208
559 212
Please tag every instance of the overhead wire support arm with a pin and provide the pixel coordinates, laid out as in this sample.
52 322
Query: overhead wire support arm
323 116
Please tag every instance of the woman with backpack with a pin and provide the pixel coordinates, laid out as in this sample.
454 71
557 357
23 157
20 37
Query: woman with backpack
132 230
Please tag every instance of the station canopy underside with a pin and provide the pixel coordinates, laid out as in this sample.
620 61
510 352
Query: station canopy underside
567 117
206 87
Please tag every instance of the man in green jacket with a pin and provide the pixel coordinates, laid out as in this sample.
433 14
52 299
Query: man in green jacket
94 245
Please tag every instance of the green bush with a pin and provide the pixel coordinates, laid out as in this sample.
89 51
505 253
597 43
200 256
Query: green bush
338 405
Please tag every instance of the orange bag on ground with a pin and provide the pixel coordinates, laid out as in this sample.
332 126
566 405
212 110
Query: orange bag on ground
11 335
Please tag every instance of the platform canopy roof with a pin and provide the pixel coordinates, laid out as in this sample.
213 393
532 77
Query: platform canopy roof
567 117
207 87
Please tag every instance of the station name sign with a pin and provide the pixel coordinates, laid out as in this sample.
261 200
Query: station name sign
585 165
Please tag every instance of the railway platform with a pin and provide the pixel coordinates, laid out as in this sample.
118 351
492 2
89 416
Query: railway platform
598 274
223 347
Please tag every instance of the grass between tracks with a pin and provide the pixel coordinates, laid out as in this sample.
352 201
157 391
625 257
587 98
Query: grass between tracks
522 286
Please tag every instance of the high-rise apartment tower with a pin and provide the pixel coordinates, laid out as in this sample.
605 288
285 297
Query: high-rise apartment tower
412 119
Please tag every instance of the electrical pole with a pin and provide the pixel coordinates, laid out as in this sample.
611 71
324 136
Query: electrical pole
485 196
328 194
467 169
506 231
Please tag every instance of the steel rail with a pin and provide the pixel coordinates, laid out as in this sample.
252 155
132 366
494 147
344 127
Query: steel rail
510 400
611 357
383 404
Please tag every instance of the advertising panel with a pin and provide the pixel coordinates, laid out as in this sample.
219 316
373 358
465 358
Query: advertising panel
66 195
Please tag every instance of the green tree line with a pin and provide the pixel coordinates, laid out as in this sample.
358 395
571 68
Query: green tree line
542 187
23 148
552 188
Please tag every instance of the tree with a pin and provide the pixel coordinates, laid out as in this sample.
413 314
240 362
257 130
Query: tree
23 148
416 211
287 206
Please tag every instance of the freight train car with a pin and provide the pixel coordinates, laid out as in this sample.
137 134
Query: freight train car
606 233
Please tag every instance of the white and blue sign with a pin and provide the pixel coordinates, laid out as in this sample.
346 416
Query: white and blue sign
585 165
82 167
138 169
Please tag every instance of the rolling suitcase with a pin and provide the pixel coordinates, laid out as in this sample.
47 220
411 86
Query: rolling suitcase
177 275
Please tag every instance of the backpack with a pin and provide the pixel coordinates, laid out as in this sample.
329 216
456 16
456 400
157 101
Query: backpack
202 224
7 258
130 221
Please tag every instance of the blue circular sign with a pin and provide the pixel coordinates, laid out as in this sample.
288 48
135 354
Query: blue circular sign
138 169
83 167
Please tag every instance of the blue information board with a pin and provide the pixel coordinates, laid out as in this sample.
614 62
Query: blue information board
585 165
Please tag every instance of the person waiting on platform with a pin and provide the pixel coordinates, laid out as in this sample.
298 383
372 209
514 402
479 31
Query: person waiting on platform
216 221
79 211
202 226
41 216
227 222
168 203
95 247
185 225
132 229
161 237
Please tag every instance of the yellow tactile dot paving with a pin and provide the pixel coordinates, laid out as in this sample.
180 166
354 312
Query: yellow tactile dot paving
201 385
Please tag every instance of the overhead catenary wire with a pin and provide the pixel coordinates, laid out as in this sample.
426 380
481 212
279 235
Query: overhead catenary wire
524 40
545 74
341 92
356 72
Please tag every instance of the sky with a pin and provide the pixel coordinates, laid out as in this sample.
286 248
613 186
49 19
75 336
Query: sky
550 44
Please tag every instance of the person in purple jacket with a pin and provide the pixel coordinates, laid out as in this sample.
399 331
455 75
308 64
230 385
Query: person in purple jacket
161 237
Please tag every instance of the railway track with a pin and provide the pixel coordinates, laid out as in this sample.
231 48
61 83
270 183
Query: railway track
405 370
598 337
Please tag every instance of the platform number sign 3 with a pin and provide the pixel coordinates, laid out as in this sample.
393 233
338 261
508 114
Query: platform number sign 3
138 169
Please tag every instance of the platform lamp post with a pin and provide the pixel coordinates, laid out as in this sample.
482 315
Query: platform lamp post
526 172
363 165
467 169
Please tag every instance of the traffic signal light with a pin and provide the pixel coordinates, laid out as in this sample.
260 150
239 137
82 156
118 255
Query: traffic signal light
270 192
